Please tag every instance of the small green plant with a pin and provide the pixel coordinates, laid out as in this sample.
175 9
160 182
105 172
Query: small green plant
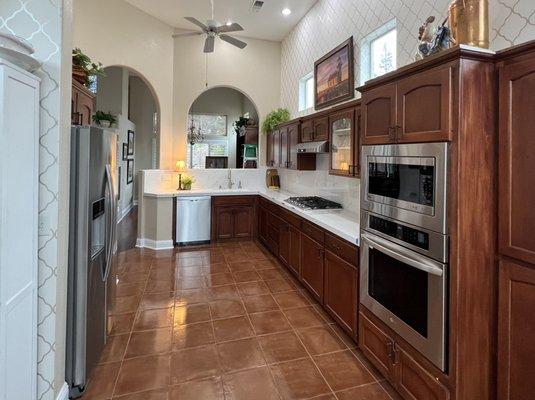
275 118
187 181
84 67
103 116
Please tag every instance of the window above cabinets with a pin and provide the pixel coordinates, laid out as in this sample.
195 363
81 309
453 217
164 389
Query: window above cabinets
378 52
306 92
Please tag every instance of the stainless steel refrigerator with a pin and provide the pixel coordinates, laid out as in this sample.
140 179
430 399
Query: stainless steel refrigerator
92 244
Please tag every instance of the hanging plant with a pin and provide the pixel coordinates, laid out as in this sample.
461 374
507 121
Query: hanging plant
275 118
239 124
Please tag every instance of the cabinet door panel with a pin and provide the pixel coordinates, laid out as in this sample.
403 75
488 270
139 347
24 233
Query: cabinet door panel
270 156
341 126
294 261
321 129
312 266
424 107
243 222
262 224
276 148
356 142
379 115
377 346
516 346
293 140
340 292
285 147
225 223
284 244
517 161
307 131
414 382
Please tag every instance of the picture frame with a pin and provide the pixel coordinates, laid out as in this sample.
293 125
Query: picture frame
125 151
131 138
129 171
119 175
334 76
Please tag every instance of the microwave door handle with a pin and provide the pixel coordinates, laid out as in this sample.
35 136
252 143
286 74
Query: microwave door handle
413 261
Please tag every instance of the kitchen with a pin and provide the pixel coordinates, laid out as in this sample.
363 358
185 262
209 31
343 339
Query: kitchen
352 224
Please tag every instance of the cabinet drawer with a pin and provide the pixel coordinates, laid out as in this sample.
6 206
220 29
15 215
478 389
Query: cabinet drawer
313 231
342 249
233 200
291 218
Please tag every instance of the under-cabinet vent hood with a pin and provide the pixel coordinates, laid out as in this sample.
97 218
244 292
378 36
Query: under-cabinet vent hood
313 147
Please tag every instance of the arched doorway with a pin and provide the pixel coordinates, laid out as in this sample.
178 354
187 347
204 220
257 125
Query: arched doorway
222 129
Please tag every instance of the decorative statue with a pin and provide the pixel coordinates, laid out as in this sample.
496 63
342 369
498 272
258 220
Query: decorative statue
432 40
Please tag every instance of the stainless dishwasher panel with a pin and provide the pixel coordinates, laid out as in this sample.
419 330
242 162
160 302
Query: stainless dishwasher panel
193 219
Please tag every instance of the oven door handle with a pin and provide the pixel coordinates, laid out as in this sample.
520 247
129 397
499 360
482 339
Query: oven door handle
405 256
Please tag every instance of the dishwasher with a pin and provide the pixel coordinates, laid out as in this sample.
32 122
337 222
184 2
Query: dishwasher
193 220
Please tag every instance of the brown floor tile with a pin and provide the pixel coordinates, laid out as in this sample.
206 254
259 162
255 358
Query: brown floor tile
193 335
145 373
299 379
254 384
191 296
223 292
271 274
236 256
284 346
390 390
190 272
246 276
215 258
206 389
191 314
163 273
190 283
196 363
262 303
126 304
226 308
290 300
219 279
252 288
159 286
122 323
265 264
269 322
134 277
216 269
372 391
321 340
150 301
102 381
158 394
240 354
369 366
191 254
232 329
153 319
242 266
279 286
304 317
190 262
321 311
147 343
343 336
131 289
343 370
114 349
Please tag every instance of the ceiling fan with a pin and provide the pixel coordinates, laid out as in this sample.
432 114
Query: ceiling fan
213 29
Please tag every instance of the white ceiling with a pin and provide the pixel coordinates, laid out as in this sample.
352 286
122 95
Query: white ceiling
268 24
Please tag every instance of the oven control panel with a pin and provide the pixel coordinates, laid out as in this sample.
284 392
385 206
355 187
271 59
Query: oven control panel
409 235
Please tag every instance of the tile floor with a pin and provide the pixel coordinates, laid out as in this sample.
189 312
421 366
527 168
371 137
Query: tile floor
224 322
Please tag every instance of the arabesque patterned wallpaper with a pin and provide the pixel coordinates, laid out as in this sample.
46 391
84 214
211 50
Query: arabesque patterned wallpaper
330 22
39 22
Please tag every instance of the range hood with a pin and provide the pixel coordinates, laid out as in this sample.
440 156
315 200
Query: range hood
313 147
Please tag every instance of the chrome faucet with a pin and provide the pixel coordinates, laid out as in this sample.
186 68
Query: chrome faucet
229 179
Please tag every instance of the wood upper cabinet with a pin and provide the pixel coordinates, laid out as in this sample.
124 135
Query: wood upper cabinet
379 115
293 140
321 128
424 107
307 131
342 142
312 254
276 148
356 144
377 346
270 155
517 160
340 291
284 147
516 331
83 104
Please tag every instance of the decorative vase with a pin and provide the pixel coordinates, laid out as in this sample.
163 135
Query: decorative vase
469 22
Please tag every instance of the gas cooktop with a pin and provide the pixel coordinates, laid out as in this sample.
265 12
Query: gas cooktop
313 203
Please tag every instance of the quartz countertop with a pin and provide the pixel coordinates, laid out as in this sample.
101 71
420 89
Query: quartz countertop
339 222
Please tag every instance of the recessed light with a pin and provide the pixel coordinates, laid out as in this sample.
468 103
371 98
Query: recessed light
229 23
286 11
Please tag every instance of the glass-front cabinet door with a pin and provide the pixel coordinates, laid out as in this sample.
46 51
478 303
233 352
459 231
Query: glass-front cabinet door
342 142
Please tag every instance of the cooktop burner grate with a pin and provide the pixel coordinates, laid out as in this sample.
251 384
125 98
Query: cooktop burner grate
313 203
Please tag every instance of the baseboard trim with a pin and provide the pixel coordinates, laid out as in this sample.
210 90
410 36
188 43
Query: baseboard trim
155 244
63 392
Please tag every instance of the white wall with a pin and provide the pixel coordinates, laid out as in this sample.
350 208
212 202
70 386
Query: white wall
116 33
254 71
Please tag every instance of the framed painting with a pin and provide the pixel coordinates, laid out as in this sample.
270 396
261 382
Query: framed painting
334 76
129 171
125 151
131 137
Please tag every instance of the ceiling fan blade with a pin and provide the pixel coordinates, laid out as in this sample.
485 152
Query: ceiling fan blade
197 22
185 34
209 44
233 41
230 28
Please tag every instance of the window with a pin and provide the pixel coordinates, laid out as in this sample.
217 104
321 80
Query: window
379 52
199 151
306 92
209 125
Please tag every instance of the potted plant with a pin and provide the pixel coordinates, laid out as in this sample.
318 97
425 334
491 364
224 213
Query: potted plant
83 67
105 120
239 124
187 181
275 118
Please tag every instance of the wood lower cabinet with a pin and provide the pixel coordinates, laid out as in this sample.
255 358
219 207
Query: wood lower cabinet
263 224
294 261
340 294
232 217
224 217
377 346
243 222
516 343
312 254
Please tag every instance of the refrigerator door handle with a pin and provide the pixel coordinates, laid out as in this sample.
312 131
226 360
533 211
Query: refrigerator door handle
111 226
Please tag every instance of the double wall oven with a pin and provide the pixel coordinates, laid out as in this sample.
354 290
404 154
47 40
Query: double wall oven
404 242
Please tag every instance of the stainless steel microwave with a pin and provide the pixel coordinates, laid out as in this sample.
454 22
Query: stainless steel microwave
407 182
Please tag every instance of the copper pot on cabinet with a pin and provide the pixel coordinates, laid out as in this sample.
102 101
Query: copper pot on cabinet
469 22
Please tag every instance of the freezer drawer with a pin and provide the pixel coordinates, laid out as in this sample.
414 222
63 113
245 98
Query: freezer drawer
193 219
